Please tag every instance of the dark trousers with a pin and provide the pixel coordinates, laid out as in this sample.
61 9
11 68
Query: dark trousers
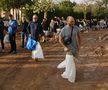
23 35
2 40
12 38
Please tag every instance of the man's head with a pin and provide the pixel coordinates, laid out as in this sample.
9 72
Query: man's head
23 19
35 18
10 17
70 21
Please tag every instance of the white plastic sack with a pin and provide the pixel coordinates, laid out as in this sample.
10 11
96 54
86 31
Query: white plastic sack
38 53
70 70
62 64
6 38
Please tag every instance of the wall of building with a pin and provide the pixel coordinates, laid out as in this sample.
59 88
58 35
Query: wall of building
15 12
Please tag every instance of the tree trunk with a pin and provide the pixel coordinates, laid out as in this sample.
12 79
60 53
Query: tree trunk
13 11
85 12
21 12
18 15
45 14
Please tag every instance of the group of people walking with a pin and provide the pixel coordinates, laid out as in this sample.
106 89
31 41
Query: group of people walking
68 35
31 29
93 24
12 29
45 31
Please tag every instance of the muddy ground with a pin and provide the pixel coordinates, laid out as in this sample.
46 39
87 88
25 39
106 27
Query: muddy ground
20 72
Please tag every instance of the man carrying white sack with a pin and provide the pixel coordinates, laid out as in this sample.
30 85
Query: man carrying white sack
70 39
35 31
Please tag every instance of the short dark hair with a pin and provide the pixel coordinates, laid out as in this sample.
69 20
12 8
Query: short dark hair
10 15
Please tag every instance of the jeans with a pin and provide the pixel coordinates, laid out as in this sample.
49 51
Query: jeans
2 40
12 38
23 35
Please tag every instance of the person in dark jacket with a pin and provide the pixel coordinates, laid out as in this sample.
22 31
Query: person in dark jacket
12 29
24 33
2 33
35 31
45 27
35 28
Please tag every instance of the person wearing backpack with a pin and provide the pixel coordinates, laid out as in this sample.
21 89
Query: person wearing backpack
12 29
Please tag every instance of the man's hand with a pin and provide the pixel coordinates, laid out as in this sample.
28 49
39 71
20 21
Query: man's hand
66 49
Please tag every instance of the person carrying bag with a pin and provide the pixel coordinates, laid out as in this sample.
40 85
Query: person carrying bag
35 30
31 44
70 39
6 38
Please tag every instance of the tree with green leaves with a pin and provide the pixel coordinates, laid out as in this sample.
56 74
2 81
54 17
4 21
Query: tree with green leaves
105 2
66 7
9 4
15 5
43 6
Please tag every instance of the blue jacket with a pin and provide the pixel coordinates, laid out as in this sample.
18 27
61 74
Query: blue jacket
12 29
